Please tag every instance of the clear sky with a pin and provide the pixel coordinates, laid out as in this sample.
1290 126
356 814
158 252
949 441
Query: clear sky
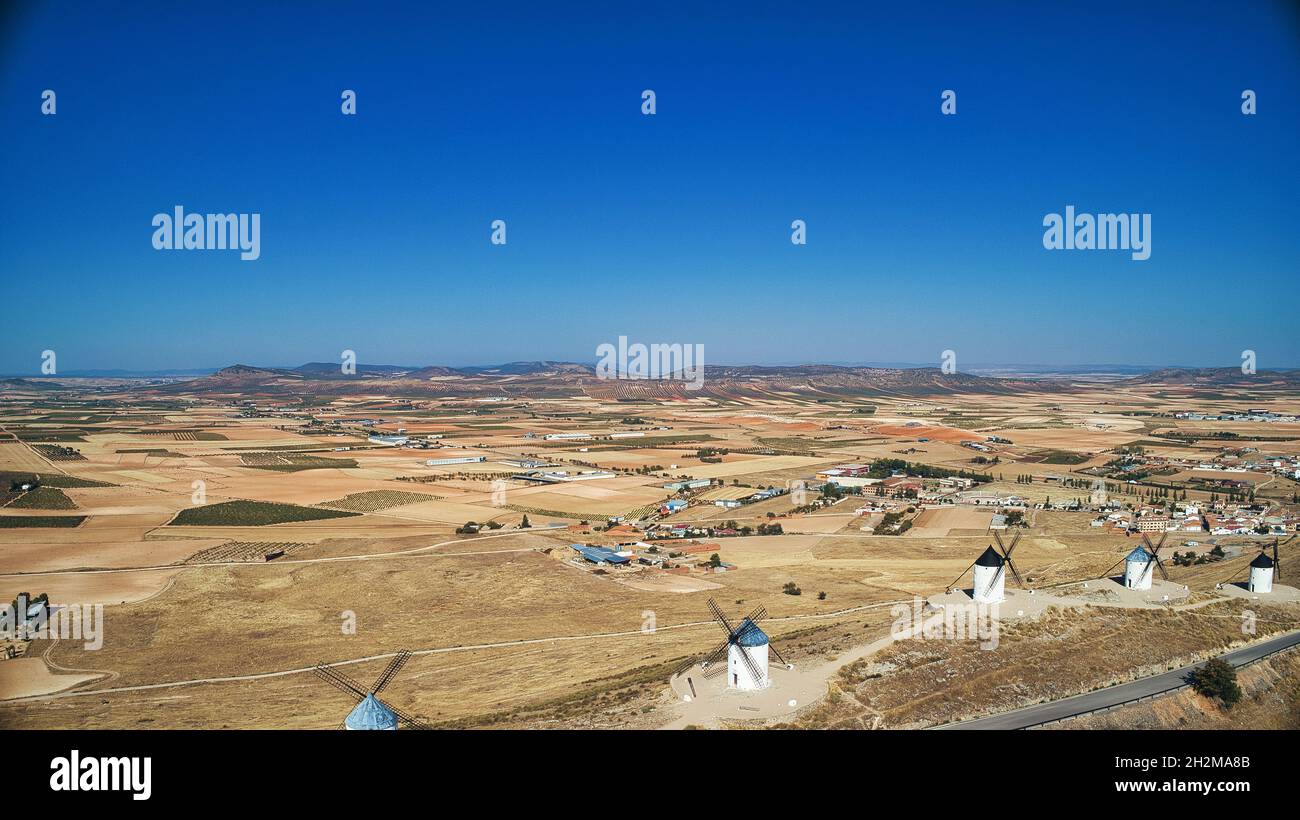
924 231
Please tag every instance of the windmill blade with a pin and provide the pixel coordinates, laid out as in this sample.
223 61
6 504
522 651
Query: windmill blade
1277 562
717 656
715 670
757 615
704 660
340 681
394 666
411 721
1146 571
772 649
720 618
1020 583
1160 565
1015 539
1146 542
1114 566
993 582
1161 542
956 580
750 664
997 536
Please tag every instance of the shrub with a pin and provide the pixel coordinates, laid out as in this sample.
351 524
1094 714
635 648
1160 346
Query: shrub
1217 679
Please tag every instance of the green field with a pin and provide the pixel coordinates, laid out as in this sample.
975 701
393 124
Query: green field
43 498
51 480
251 514
292 462
1063 457
17 522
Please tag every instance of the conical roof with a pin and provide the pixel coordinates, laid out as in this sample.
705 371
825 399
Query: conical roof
1139 555
748 634
371 714
1262 561
989 558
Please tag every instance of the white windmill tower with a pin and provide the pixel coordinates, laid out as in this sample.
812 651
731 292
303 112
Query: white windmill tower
749 651
1264 570
746 650
1138 564
989 572
1137 569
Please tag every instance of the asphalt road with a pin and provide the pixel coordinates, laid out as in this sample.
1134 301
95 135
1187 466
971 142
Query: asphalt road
1115 695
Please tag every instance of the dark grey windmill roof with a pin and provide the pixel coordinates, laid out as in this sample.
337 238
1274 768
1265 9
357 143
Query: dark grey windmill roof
1262 561
989 558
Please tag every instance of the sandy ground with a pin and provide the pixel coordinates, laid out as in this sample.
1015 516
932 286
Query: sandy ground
941 521
25 677
106 588
1280 593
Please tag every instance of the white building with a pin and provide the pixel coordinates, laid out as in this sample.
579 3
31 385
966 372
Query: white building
438 462
1137 569
1261 575
990 580
752 642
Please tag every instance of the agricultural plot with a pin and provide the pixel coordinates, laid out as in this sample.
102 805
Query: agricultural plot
245 551
293 462
58 452
251 514
42 498
375 500
40 521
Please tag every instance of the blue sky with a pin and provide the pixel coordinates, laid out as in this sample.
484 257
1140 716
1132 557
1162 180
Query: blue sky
924 231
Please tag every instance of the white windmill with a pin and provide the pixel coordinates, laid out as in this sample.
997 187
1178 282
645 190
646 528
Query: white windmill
1263 570
1139 562
989 572
746 650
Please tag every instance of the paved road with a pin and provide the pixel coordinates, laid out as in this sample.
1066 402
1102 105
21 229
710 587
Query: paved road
1115 695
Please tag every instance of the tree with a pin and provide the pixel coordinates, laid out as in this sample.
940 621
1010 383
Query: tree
523 525
715 560
791 588
1217 679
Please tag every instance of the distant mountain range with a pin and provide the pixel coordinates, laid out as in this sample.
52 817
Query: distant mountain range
550 378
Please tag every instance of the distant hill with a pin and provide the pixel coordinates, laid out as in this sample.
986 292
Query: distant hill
30 384
1209 377
548 379
334 370
528 368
